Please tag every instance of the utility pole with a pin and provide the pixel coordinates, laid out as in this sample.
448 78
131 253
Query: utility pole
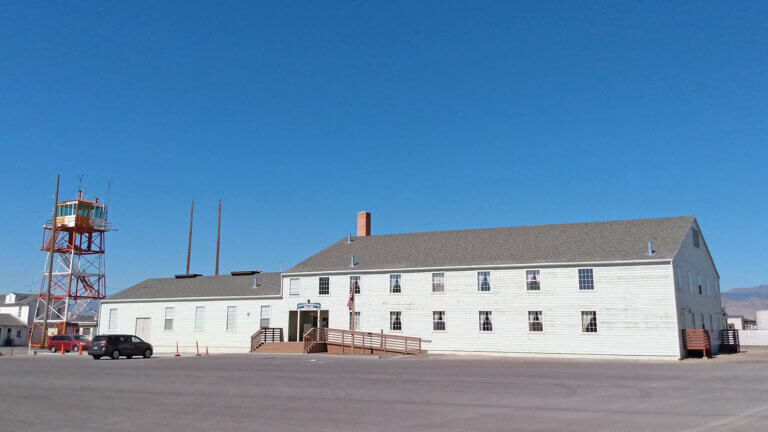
189 244
218 239
50 265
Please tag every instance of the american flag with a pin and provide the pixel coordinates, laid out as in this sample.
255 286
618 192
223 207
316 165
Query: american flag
351 301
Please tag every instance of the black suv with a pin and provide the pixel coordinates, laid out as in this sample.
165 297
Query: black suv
115 346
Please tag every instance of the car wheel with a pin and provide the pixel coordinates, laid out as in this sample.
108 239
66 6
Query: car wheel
53 349
96 357
147 353
115 355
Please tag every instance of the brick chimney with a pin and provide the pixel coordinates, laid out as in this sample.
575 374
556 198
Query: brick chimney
363 224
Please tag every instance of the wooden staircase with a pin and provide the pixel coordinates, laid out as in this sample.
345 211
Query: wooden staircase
729 341
697 340
264 336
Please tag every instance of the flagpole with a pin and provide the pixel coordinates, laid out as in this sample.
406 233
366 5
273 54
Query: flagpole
352 317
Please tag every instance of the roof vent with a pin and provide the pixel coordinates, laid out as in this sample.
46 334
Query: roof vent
349 238
651 252
352 261
187 275
245 272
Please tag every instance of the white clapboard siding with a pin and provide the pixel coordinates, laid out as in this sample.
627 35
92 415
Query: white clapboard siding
634 304
690 303
641 309
214 335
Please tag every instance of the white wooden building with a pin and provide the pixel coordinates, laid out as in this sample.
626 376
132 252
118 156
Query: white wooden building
16 308
604 289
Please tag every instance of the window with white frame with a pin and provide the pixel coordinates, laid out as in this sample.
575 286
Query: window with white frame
354 284
169 313
589 321
438 320
266 314
586 279
690 282
231 318
438 282
18 314
696 240
395 322
357 320
112 319
324 286
86 331
486 323
484 281
295 285
535 323
532 280
394 284
199 318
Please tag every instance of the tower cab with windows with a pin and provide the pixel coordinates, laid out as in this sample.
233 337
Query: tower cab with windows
81 213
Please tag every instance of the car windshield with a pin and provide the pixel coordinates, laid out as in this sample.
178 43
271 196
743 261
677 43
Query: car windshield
78 337
100 338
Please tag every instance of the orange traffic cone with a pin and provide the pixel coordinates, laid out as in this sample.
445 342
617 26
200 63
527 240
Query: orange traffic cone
206 350
80 350
177 350
197 347
62 349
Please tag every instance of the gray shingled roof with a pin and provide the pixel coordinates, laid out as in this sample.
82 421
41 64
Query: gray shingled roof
565 243
21 299
8 320
203 286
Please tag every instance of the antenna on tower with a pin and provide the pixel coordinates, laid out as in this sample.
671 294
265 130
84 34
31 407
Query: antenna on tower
218 239
109 191
189 245
79 185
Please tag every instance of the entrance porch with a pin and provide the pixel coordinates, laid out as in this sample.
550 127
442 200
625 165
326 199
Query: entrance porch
301 321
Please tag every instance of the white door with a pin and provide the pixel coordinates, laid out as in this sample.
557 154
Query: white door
142 328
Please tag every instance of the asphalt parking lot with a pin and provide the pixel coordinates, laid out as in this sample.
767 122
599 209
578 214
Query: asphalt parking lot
321 392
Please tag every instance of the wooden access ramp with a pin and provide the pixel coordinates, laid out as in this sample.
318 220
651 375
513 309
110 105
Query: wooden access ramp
337 341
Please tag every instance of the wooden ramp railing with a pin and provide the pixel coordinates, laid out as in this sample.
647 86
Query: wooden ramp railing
697 340
264 335
313 340
361 342
729 340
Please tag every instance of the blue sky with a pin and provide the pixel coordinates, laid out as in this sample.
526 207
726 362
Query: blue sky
431 115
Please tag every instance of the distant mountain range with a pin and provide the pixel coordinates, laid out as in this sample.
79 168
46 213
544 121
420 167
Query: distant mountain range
746 301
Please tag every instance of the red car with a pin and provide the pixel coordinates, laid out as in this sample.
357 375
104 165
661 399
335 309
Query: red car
69 342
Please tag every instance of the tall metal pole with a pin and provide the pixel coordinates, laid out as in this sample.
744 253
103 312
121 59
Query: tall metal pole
189 244
50 265
218 239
